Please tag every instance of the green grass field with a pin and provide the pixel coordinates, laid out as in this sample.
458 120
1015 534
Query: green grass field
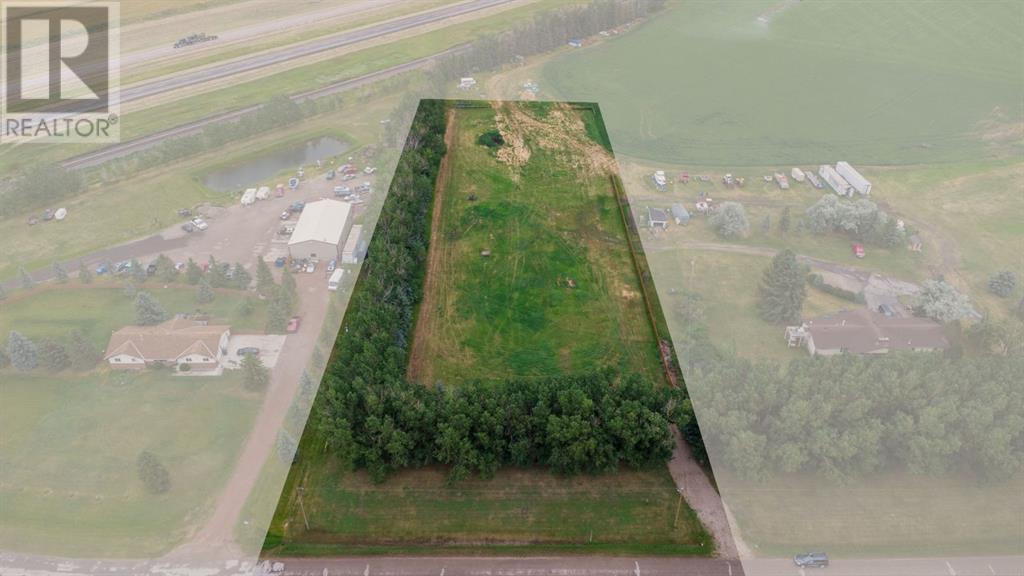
518 511
101 308
872 83
68 445
68 441
546 225
892 514
545 219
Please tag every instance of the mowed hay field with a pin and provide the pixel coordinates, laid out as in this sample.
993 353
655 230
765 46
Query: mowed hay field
518 511
871 82
558 293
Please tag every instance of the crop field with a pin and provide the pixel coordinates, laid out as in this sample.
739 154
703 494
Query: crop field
809 82
530 272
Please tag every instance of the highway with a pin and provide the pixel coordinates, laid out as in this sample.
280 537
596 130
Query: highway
285 54
127 147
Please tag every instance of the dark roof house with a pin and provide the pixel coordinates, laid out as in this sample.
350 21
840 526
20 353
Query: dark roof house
864 331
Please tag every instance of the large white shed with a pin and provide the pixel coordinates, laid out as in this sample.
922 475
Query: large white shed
322 227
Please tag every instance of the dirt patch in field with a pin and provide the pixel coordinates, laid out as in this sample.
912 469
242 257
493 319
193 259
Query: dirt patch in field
426 330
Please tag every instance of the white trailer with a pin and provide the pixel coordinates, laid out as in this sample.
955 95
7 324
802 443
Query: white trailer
335 280
858 182
249 197
833 179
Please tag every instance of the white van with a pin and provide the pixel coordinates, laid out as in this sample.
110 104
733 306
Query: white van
335 280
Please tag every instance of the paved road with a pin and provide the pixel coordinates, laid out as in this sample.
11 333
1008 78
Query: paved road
235 67
15 565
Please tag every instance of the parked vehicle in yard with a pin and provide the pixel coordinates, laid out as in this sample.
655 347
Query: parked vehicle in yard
188 227
184 212
102 269
811 560
249 351
285 215
310 266
342 190
280 262
335 280
330 174
47 215
151 269
293 325
332 265
297 206
199 223
858 250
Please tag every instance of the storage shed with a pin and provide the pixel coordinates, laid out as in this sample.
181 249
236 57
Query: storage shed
322 227
680 214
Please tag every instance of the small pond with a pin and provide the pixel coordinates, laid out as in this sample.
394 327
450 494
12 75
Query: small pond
257 170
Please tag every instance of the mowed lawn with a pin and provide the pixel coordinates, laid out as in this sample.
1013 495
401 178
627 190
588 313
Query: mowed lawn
885 515
558 293
99 309
68 447
726 285
518 510
69 441
872 83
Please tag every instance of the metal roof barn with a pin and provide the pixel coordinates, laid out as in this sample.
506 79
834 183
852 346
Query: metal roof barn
322 226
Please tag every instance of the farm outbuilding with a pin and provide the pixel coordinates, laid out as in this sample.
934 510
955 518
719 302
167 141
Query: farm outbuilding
858 182
680 214
320 231
657 218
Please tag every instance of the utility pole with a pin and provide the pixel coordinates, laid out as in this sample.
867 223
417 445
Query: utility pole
305 520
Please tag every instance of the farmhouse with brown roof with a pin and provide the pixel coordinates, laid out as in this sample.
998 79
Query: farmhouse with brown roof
178 342
864 331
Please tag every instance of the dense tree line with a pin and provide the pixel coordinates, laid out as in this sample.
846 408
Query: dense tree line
373 418
38 186
850 415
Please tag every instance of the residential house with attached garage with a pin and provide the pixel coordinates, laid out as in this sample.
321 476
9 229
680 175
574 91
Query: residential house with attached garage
864 331
178 342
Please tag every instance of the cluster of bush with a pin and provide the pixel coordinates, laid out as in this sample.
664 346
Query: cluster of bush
818 282
859 218
372 417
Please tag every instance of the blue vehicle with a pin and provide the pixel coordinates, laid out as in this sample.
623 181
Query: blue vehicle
330 174
280 262
102 269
